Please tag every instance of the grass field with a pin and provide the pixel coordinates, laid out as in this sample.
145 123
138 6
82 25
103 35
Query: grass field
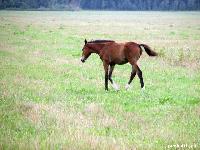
50 100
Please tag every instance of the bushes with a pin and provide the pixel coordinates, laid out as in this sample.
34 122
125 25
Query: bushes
103 4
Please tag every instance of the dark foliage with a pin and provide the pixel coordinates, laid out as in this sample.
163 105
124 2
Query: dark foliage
103 4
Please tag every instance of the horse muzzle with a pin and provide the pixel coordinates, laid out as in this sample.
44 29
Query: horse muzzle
82 59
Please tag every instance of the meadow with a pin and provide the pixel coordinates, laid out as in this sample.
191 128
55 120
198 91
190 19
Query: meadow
50 100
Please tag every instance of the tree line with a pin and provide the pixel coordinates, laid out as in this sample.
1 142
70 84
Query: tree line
102 4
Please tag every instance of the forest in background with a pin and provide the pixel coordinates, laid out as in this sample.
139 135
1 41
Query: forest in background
101 4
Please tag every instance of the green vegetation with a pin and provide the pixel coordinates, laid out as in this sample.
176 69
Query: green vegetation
50 100
101 4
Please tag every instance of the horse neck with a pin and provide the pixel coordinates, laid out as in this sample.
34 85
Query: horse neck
96 47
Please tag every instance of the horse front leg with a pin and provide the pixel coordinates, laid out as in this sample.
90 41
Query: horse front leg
106 74
114 85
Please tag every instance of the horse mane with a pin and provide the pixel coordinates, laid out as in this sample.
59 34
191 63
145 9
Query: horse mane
100 41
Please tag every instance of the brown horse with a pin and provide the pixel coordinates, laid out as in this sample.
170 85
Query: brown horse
112 53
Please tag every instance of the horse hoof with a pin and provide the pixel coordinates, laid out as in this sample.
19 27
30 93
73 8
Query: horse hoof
117 89
115 86
143 89
127 86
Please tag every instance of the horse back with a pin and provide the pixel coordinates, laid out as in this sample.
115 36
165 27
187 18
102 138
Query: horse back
114 53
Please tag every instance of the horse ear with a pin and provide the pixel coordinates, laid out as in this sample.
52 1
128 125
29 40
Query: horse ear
85 41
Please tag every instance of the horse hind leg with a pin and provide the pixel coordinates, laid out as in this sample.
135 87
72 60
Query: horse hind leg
135 69
139 73
114 85
133 73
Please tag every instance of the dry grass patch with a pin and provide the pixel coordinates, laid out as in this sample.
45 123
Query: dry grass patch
96 112
68 123
7 48
91 114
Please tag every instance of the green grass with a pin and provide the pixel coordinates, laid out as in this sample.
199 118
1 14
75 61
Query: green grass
50 100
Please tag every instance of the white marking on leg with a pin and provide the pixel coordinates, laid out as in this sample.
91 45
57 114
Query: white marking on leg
143 89
115 86
127 86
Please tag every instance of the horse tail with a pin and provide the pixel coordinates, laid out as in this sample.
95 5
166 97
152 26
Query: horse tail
148 50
